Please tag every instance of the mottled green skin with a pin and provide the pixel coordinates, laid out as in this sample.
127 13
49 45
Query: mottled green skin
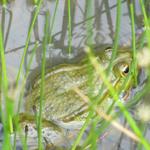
61 101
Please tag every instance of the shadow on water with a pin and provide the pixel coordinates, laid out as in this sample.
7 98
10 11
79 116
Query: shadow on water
16 19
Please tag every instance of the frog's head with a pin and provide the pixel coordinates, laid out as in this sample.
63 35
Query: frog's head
122 64
121 75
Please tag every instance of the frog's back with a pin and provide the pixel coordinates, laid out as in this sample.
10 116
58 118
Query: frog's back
61 102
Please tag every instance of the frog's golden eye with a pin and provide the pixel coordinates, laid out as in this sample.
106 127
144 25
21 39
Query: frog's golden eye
121 69
124 69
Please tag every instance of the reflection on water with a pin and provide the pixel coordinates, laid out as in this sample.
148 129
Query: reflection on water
100 22
92 23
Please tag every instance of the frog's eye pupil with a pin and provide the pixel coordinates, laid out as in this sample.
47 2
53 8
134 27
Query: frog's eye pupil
126 70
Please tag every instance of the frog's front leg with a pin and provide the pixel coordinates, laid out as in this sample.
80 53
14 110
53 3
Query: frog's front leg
52 134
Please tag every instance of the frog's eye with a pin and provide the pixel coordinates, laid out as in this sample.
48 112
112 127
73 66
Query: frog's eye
121 69
124 69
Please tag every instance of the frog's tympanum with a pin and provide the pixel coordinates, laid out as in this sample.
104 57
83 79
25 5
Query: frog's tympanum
62 107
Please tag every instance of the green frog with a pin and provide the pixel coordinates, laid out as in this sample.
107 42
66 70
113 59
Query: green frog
62 107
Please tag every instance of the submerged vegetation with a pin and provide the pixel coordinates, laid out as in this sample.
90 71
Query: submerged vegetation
68 100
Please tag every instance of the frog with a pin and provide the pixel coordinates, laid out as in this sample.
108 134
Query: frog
63 109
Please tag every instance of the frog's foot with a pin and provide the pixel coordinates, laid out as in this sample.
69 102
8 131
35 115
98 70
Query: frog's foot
51 137
50 131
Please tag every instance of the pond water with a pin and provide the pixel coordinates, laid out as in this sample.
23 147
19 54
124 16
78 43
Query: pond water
102 17
91 22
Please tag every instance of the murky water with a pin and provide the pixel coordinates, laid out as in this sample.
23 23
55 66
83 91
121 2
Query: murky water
92 22
102 27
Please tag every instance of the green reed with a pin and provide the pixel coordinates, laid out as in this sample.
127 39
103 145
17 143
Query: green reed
95 132
42 89
114 95
89 26
89 11
69 27
117 32
35 2
44 48
114 52
39 3
53 21
124 110
146 36
6 112
4 2
21 95
28 39
146 22
113 56
89 41
134 53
